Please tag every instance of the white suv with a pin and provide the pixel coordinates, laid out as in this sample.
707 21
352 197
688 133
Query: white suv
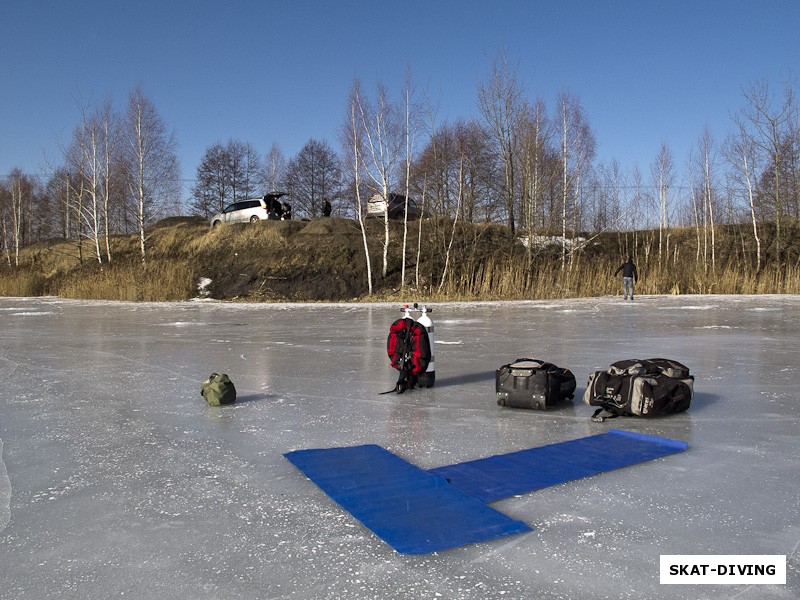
251 210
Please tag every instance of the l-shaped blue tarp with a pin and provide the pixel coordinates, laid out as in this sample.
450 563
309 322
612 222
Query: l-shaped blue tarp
412 510
417 511
497 477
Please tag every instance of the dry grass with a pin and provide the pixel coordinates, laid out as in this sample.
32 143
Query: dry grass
324 260
132 282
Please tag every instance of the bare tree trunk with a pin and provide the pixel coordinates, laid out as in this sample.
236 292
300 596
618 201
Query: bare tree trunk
770 122
564 183
662 174
696 216
409 146
152 163
751 198
94 208
419 233
741 152
79 211
380 133
6 249
16 216
455 220
537 179
274 167
708 196
355 140
140 190
503 105
107 152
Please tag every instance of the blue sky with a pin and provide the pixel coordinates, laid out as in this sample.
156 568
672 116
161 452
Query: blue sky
646 72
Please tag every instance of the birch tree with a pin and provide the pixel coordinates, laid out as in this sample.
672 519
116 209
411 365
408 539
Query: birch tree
577 152
20 192
88 158
706 144
502 104
111 169
5 207
90 150
453 230
381 151
153 172
410 129
741 154
535 142
663 178
353 144
273 169
769 120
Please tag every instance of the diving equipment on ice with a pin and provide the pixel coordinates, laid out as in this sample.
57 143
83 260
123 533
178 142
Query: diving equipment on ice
218 390
410 349
644 388
531 383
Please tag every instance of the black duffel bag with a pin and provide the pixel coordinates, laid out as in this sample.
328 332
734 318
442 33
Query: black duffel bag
531 383
643 388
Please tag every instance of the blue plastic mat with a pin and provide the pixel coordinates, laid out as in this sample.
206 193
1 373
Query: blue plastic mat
412 510
505 475
417 511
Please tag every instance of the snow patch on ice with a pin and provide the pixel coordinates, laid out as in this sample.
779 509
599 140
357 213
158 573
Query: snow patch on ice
458 321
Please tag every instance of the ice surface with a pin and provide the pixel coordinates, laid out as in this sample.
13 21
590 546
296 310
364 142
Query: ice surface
117 480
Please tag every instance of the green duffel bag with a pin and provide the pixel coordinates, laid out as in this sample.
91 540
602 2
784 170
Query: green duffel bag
218 390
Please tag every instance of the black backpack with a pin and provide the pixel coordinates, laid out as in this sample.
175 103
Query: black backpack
409 350
644 388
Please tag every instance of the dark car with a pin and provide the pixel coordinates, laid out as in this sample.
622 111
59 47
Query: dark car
376 207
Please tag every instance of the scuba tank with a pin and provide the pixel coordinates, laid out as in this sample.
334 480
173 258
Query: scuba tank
428 378
410 349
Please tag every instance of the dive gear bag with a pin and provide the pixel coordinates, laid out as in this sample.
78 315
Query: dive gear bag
531 383
644 388
218 390
409 350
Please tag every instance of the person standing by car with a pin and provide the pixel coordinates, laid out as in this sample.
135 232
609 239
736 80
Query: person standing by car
629 276
274 207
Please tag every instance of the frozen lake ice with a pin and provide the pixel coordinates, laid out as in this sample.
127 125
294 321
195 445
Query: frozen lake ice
117 480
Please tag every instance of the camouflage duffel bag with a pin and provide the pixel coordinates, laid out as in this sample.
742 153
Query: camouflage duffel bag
218 390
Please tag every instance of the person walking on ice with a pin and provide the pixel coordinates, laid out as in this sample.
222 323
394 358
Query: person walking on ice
629 276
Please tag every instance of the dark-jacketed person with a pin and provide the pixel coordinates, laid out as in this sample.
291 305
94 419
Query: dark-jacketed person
629 276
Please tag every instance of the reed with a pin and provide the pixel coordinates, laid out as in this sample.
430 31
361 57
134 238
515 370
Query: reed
324 260
130 282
